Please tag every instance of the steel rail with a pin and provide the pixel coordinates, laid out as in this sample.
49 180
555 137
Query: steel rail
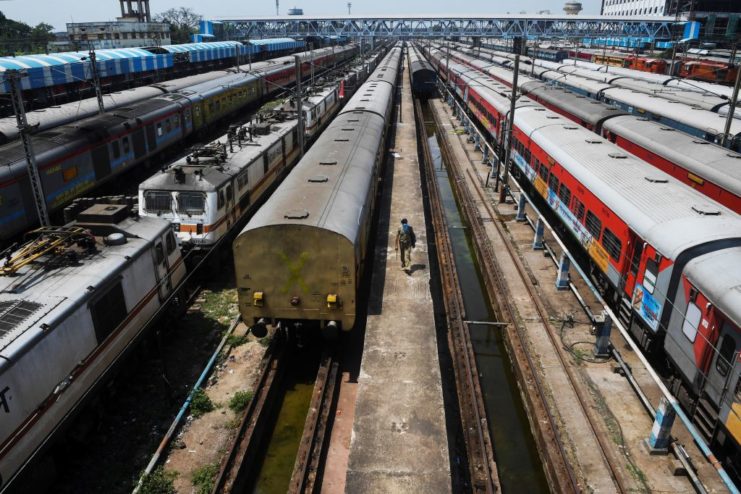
244 448
482 466
480 240
314 440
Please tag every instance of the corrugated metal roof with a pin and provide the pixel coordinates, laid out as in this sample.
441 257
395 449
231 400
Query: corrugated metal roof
271 41
190 47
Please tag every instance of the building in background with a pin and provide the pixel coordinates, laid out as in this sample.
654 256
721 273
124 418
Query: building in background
61 43
134 28
669 7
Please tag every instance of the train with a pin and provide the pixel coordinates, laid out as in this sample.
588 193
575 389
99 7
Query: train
663 255
707 167
423 75
73 301
54 79
206 193
73 159
298 261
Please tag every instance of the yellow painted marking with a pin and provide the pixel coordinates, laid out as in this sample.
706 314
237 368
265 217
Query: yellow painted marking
734 422
294 270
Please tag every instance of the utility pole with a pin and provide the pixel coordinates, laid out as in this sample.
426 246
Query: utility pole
14 76
349 8
96 80
277 8
731 109
510 126
299 107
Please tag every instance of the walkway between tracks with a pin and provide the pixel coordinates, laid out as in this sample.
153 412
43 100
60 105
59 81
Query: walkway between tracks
399 440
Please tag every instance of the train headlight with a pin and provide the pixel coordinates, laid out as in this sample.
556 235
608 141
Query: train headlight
332 301
258 299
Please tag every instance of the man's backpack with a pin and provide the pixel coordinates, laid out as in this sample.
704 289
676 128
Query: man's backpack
412 237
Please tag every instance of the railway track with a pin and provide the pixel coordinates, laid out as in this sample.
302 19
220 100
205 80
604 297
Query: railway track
237 473
544 421
482 466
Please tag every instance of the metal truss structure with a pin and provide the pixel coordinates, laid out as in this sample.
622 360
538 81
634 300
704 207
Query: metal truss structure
501 26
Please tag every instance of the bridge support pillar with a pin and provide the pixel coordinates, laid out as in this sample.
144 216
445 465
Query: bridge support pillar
563 280
658 442
539 232
602 330
521 202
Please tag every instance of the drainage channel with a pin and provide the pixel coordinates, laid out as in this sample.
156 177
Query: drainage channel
274 472
518 462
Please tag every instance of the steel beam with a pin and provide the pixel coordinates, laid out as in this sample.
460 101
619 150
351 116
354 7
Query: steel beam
503 26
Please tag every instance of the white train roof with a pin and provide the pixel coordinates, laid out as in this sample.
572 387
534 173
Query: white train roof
208 174
706 160
328 187
719 89
717 275
47 290
696 117
581 83
666 213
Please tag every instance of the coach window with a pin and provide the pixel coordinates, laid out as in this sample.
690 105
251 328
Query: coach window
553 183
191 203
108 311
159 130
159 253
725 355
543 172
594 225
116 149
691 321
578 209
229 193
157 202
564 194
170 242
650 275
126 147
612 244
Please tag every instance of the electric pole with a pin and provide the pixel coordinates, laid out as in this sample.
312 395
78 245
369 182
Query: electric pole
14 76
349 8
96 80
299 107
277 8
510 126
731 108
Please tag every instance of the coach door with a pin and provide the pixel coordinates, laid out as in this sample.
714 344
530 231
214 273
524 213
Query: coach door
140 148
162 267
101 162
722 365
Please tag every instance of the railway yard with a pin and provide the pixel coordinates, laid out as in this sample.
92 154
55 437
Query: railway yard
219 299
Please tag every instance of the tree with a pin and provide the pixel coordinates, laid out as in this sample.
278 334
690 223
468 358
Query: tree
41 35
18 37
183 22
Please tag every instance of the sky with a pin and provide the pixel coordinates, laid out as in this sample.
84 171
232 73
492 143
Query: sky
59 12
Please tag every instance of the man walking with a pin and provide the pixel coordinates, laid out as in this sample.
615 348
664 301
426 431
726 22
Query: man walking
405 240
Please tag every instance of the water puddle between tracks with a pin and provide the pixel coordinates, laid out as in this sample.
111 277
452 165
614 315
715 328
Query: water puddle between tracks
519 465
274 474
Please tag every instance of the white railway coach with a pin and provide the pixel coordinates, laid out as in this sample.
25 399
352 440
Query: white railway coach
71 303
299 259
207 192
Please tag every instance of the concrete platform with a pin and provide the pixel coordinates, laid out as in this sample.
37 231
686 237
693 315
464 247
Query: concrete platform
399 439
624 420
